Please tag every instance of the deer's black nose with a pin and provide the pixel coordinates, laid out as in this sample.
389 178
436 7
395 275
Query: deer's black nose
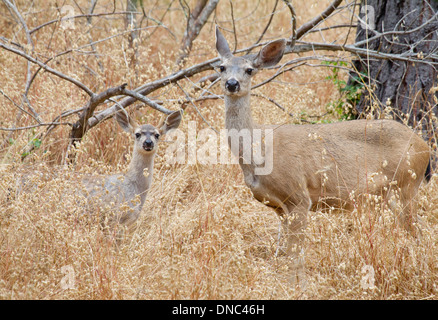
232 85
148 145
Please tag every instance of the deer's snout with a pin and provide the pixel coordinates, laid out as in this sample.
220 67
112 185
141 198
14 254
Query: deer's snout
232 85
148 145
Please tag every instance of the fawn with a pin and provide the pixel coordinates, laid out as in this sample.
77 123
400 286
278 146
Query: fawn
128 191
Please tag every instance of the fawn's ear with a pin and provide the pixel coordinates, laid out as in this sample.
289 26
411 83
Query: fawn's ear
270 54
222 45
172 121
125 122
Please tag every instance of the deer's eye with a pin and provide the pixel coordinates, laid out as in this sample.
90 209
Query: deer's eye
157 136
138 135
222 68
249 71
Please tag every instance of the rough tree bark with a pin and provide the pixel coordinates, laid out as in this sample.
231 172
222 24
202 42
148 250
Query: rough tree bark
411 27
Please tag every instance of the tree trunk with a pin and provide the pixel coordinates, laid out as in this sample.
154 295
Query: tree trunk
404 86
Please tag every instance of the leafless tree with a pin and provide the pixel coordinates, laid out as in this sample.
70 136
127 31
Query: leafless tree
83 118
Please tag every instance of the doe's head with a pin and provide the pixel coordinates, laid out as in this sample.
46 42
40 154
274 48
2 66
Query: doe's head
147 136
236 72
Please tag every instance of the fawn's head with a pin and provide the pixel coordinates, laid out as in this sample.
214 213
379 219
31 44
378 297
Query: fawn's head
147 136
236 72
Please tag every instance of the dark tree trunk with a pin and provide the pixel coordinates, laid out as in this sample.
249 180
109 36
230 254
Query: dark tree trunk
403 84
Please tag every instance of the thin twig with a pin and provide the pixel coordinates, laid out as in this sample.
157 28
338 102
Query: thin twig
234 25
146 100
293 37
47 68
259 95
30 43
88 16
36 126
17 105
197 110
194 26
318 19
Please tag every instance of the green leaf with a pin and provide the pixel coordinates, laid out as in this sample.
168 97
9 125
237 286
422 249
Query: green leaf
36 142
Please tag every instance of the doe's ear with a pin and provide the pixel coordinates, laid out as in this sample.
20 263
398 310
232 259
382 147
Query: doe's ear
125 122
222 45
172 122
270 54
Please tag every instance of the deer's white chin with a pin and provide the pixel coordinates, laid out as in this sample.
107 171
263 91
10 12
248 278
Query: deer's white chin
235 94
148 149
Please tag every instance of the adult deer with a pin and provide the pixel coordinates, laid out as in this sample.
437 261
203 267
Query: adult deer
323 162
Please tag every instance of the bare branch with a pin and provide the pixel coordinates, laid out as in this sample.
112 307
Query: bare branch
314 22
267 25
194 26
22 22
17 105
190 100
80 127
88 16
160 21
431 59
152 86
293 37
30 43
234 26
78 49
259 95
432 21
146 100
36 126
47 68
120 97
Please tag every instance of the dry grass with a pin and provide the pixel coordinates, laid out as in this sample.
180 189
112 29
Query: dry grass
201 234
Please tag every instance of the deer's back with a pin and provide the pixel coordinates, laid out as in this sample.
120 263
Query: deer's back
117 194
335 159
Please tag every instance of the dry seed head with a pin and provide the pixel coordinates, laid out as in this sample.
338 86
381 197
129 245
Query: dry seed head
413 174
313 136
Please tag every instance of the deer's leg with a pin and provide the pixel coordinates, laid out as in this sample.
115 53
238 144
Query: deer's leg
409 218
403 204
294 223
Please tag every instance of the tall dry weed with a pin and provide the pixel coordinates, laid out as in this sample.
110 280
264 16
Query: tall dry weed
201 234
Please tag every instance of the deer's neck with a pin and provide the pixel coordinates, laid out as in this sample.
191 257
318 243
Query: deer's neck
238 116
140 172
238 113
